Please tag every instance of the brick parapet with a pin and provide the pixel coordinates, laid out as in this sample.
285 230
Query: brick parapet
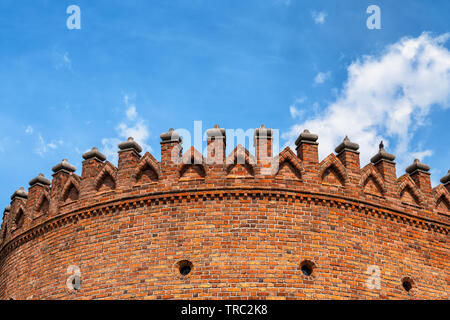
337 186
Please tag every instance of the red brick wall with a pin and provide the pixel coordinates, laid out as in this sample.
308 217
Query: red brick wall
245 236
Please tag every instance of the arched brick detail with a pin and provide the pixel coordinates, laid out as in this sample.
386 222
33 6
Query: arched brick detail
240 155
288 156
19 217
108 170
406 183
148 161
440 193
370 171
192 158
44 198
70 183
333 163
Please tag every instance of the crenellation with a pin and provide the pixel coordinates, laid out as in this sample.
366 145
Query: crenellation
375 181
347 152
378 178
129 158
171 150
263 142
419 173
38 196
308 152
216 148
385 165
63 171
185 198
93 163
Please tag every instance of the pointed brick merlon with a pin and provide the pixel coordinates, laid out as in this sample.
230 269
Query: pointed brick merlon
38 186
62 172
129 157
419 172
91 166
217 142
347 152
171 148
262 140
384 162
308 151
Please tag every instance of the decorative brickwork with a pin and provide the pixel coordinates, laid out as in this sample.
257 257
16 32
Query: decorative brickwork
236 228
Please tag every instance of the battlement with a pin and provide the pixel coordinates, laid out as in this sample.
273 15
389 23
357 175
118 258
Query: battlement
246 226
339 175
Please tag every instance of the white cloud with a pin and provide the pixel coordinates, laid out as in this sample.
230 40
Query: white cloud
319 17
386 97
61 60
134 127
131 113
110 148
321 77
29 130
294 110
43 147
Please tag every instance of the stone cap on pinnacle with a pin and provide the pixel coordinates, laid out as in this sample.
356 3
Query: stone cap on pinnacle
216 132
94 153
170 136
130 144
40 179
21 193
347 145
64 165
382 155
262 131
417 166
446 179
306 137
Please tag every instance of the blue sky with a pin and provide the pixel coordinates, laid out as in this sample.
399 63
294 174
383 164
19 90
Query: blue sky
140 67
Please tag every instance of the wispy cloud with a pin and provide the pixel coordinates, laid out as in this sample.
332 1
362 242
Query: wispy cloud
43 147
132 126
61 60
297 113
131 113
29 130
319 17
321 77
386 97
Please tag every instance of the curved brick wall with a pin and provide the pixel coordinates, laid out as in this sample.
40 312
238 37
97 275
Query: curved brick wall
246 231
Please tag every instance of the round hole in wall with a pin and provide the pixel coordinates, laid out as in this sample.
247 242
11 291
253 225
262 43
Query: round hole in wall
407 284
185 267
76 283
307 267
